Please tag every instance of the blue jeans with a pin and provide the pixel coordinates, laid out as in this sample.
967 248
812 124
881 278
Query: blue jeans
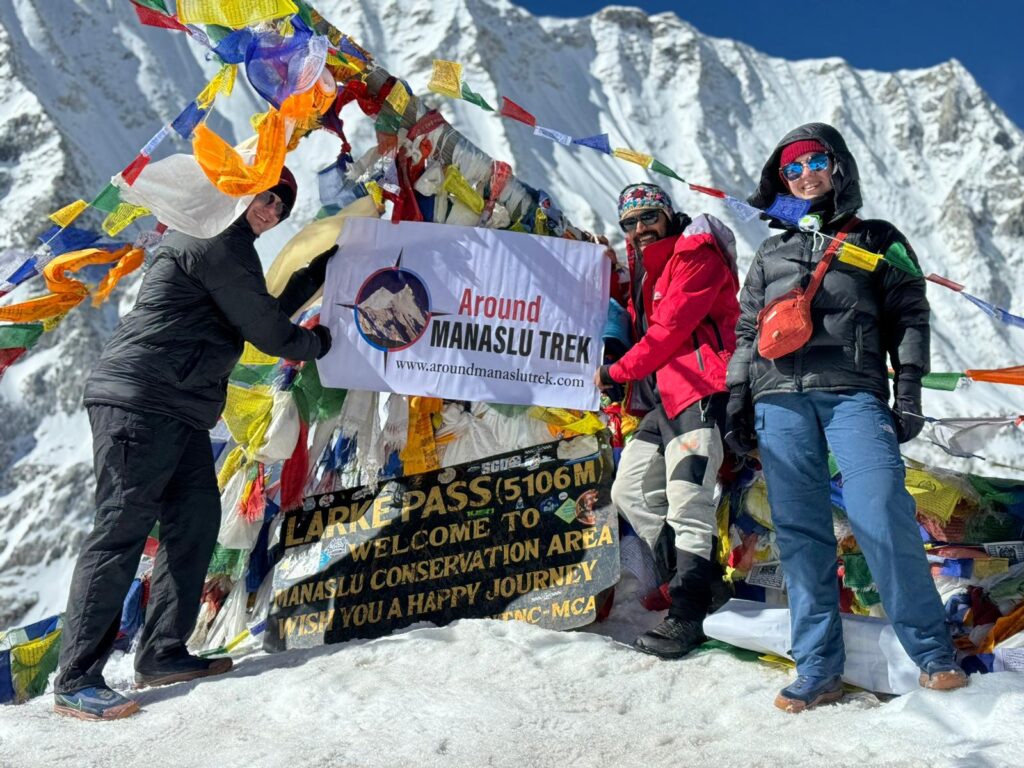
794 432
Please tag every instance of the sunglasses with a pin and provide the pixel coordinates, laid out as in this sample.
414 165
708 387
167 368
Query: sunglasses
816 162
649 218
271 199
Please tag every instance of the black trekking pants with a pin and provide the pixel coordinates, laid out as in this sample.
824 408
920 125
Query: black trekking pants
149 468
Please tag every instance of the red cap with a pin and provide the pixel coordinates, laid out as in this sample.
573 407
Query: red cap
287 190
792 151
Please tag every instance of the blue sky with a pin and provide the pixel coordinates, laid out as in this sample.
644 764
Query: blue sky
985 35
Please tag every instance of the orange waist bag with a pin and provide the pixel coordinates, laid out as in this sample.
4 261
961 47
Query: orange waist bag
785 324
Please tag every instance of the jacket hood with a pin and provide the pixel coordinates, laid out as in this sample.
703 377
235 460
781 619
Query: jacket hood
845 177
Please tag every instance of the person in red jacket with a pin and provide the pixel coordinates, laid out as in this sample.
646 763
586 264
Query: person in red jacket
683 308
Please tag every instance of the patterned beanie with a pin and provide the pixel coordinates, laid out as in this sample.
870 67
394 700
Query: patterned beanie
642 197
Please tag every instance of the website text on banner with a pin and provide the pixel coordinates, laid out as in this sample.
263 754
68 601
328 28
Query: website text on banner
465 314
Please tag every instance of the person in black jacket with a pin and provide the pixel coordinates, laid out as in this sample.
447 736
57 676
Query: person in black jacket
159 387
833 393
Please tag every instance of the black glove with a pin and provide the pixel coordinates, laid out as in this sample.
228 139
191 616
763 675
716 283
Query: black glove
324 337
317 269
906 411
740 436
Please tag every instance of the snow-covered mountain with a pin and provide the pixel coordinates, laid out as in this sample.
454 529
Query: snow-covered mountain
86 86
392 317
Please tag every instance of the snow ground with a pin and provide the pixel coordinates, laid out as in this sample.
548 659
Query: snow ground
486 693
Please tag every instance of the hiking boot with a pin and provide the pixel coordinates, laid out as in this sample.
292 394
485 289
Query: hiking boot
95 703
942 677
179 670
808 691
671 639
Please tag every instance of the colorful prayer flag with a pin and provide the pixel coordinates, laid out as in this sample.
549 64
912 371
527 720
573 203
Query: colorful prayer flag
152 18
446 79
134 168
510 109
664 170
633 157
398 98
742 210
598 142
708 191
68 213
897 256
107 200
549 133
787 208
456 185
468 94
121 217
20 335
233 13
859 257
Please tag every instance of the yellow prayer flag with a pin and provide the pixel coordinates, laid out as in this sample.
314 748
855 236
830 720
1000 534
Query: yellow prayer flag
633 157
252 356
123 215
456 185
68 213
398 98
446 79
986 567
233 13
934 498
376 193
50 323
221 83
858 257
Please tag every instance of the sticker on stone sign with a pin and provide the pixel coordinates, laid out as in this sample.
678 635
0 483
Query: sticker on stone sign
788 208
742 210
766 575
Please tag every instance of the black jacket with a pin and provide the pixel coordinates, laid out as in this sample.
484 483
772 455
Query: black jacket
859 317
199 301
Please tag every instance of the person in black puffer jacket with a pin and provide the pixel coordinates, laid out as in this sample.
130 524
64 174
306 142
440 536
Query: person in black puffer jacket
159 386
833 393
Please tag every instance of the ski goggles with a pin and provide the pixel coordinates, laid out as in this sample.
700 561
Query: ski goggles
649 218
271 199
816 162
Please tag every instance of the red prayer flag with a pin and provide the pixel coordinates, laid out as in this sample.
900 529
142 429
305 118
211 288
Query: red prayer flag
134 168
152 18
9 356
510 109
708 191
944 281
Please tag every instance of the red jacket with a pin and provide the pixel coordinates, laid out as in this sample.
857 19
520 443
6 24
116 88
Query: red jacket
689 294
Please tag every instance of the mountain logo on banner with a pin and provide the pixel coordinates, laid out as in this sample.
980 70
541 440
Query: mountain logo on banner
392 308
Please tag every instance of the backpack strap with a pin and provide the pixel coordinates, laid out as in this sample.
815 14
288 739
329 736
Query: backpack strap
826 260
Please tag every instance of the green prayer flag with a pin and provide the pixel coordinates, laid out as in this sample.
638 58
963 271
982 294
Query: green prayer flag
897 256
475 98
107 200
664 170
388 122
156 5
315 401
20 335
305 13
216 32
946 382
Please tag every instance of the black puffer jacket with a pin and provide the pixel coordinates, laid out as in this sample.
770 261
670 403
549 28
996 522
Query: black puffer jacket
198 302
860 317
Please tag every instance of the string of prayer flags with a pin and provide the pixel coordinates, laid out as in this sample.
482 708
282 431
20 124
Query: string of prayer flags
599 142
641 159
512 110
233 13
550 133
468 94
446 79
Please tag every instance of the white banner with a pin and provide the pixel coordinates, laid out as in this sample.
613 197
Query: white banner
465 314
